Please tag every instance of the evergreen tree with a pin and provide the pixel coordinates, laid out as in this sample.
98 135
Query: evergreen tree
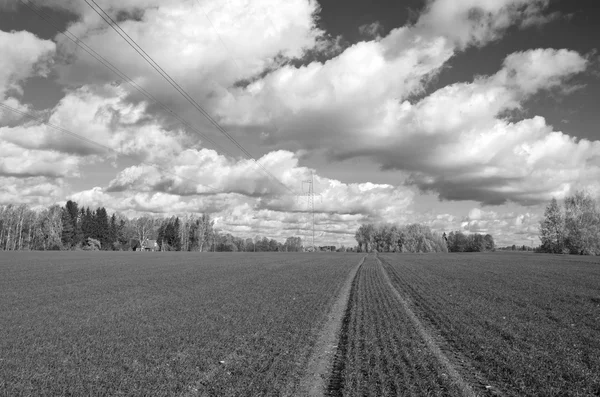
67 229
169 238
121 236
104 229
73 210
87 226
113 230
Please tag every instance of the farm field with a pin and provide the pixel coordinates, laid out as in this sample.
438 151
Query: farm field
101 323
526 324
381 352
226 324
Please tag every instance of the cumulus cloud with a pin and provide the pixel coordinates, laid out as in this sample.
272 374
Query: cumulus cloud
23 55
233 58
508 224
100 124
477 22
245 201
455 141
358 104
103 115
468 150
37 192
358 97
204 172
206 46
17 161
507 227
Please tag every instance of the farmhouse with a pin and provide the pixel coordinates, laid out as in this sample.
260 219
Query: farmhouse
149 245
327 248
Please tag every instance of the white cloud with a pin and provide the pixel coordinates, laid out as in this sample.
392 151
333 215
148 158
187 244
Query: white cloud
454 141
371 30
38 192
103 115
358 103
355 103
99 115
205 46
193 170
23 55
17 161
507 227
245 200
476 22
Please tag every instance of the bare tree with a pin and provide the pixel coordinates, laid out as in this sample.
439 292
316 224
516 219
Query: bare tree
203 230
552 228
582 224
144 227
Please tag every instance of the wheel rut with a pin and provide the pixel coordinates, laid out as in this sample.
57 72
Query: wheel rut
431 327
404 355
322 367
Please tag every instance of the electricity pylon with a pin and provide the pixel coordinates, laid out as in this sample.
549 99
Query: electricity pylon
311 202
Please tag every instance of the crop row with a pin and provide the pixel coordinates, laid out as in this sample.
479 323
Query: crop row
527 325
381 352
162 324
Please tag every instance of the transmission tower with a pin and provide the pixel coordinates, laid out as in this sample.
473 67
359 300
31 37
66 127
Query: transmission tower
310 195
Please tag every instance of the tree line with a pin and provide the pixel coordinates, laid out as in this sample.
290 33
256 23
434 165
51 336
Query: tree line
573 228
473 242
71 227
392 238
418 238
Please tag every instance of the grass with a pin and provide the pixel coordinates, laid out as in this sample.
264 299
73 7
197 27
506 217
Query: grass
161 324
189 324
381 352
529 325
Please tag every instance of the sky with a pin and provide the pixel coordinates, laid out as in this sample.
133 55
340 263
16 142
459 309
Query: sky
459 114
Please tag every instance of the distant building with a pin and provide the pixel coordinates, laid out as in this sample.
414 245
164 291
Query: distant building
150 245
327 248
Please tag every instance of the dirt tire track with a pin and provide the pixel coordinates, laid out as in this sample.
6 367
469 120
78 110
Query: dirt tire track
321 364
453 374
434 320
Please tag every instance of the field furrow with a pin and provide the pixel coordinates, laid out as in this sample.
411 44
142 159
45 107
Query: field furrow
163 324
381 352
525 325
169 324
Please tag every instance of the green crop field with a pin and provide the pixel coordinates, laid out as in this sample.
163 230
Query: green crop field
527 324
161 324
381 352
191 324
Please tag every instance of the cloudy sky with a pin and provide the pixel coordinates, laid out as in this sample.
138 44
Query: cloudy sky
460 114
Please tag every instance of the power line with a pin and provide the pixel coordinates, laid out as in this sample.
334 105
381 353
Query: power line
81 44
77 41
231 54
218 35
117 28
90 141
106 63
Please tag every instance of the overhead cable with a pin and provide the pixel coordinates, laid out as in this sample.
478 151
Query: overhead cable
81 44
95 143
117 28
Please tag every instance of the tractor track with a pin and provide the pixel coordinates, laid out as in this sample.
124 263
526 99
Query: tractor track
433 328
323 362
381 351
